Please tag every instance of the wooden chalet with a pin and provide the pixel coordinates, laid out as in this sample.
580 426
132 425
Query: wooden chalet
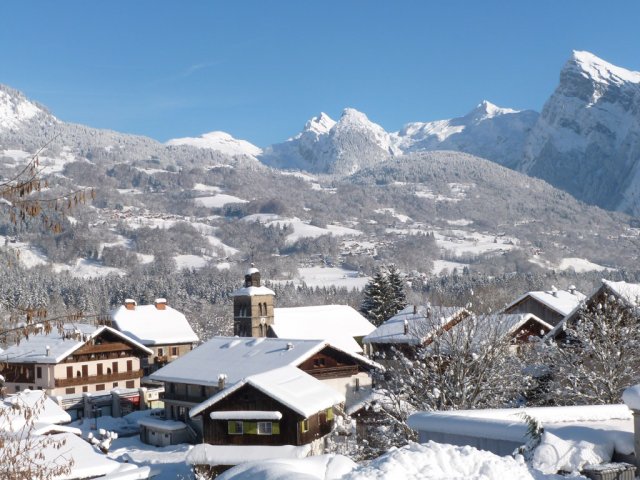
225 363
79 359
412 327
550 306
628 294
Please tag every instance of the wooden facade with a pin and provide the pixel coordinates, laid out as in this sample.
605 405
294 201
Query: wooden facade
331 363
291 429
539 309
102 363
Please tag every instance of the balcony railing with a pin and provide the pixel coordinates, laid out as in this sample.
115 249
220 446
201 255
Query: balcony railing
113 377
333 372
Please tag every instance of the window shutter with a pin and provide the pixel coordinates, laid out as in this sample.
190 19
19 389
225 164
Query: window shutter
231 426
330 413
275 428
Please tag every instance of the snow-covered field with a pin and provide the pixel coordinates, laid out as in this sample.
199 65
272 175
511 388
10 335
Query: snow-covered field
301 229
218 201
579 265
330 276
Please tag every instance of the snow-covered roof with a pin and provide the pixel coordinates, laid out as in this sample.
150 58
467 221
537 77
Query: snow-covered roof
600 424
47 411
252 291
164 425
241 357
629 292
338 324
246 415
153 326
561 301
421 323
498 325
54 347
289 385
205 454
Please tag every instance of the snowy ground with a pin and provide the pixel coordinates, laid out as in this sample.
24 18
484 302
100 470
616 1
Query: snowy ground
218 201
579 265
330 276
301 229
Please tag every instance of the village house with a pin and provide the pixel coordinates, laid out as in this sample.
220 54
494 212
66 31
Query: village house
158 327
79 359
263 374
255 315
551 306
628 294
412 327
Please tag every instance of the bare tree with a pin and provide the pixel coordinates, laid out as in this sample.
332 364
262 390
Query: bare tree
597 357
472 364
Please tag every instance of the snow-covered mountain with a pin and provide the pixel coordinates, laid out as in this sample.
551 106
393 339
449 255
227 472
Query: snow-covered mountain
587 139
220 141
16 110
326 146
487 131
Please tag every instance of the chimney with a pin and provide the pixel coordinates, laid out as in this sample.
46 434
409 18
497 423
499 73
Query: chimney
222 379
415 309
130 304
572 289
406 326
160 303
48 348
289 346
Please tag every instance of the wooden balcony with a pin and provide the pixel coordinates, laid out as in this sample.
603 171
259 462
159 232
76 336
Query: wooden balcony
113 377
333 372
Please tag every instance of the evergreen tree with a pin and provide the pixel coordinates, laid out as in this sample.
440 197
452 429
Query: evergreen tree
378 304
397 287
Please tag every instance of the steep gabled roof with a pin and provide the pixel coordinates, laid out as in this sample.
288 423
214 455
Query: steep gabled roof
288 385
240 357
629 293
60 345
422 322
338 324
561 301
152 326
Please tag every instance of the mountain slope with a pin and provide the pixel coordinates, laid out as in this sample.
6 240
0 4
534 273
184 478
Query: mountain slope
587 139
487 131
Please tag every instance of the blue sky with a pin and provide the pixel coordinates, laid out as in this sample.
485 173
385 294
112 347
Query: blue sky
260 69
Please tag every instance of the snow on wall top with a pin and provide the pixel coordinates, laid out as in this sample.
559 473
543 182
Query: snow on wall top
420 325
152 326
629 292
339 324
631 397
205 454
561 301
288 385
53 347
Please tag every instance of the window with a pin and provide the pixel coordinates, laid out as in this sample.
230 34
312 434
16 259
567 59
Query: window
115 384
129 365
174 351
114 367
38 372
304 425
235 427
160 352
69 372
130 384
318 362
17 388
99 387
99 367
264 428
85 370
85 389
69 391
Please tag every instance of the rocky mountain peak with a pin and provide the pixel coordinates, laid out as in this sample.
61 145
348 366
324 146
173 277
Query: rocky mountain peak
594 68
320 124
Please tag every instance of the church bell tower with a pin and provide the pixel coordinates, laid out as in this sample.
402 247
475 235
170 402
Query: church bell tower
252 306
